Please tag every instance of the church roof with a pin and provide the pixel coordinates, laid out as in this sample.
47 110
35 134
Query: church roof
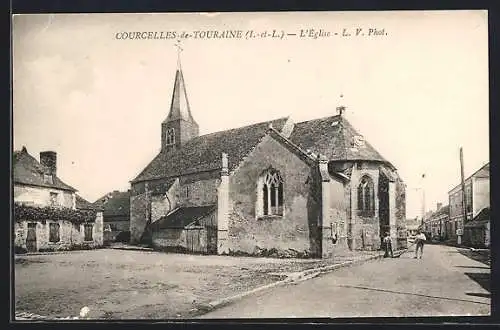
179 108
203 153
335 138
27 170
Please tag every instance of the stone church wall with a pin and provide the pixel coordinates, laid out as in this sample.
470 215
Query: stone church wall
365 230
198 190
402 241
248 233
336 226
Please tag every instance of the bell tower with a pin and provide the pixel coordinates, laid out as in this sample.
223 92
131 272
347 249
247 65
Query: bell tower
179 127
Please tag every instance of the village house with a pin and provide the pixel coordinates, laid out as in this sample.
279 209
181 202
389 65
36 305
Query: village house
48 214
116 214
477 231
477 197
435 224
311 188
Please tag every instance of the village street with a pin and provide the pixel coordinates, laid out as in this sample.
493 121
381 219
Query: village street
446 281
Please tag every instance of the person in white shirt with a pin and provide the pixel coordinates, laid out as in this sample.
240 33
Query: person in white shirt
419 241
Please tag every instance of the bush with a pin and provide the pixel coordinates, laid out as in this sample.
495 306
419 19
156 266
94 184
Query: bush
84 246
33 213
50 249
20 250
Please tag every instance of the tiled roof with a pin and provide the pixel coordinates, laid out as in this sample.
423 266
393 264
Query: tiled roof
204 152
27 170
333 137
182 217
115 203
83 204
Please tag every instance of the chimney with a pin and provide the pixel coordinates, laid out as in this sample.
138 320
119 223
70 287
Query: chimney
49 159
438 206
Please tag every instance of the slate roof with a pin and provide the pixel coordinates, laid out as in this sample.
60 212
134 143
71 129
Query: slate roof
115 203
27 170
333 137
204 152
182 217
83 204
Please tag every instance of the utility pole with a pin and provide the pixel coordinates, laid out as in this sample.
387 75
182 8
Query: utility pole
423 202
464 208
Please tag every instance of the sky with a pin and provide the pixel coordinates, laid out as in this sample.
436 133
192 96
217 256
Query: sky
417 91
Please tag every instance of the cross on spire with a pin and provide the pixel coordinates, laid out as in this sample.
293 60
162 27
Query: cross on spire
341 108
179 50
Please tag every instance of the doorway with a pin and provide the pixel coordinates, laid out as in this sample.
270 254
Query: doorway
31 237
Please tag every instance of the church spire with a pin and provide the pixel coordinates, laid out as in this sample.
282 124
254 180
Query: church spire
179 108
179 127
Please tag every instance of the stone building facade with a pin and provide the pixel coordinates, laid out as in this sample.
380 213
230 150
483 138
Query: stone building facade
45 207
312 187
477 197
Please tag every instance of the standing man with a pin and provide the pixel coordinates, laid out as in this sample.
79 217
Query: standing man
419 241
388 245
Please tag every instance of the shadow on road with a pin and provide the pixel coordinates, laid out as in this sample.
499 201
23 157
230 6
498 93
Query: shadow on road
483 279
480 256
479 267
409 293
482 295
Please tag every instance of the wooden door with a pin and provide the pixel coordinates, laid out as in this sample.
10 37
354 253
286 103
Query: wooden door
211 239
31 238
193 240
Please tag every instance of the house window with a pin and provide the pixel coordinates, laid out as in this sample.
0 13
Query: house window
54 232
170 136
47 178
270 193
88 232
366 196
53 199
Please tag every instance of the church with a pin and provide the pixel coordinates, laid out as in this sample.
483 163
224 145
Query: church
315 188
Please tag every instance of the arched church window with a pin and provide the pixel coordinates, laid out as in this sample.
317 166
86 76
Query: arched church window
366 196
170 136
270 193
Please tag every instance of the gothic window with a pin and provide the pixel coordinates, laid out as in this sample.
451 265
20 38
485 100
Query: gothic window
366 196
270 194
170 136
